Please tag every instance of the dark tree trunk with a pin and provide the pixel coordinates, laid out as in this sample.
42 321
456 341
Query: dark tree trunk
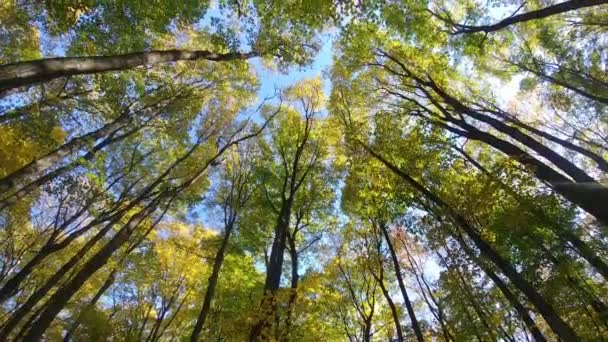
406 298
273 270
587 196
394 312
562 83
212 284
295 279
104 287
60 298
557 324
548 11
52 158
583 249
523 313
476 306
22 74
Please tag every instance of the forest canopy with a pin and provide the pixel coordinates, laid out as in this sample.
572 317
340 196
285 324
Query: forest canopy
304 170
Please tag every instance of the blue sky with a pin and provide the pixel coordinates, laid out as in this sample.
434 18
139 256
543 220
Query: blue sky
271 79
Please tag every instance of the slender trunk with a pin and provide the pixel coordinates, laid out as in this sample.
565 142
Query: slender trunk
562 83
51 246
22 74
582 248
104 287
212 284
562 163
389 300
557 324
523 313
406 298
295 278
433 304
476 307
89 156
548 11
41 292
60 298
73 146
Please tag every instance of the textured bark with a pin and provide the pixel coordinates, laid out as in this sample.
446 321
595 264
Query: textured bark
548 11
22 74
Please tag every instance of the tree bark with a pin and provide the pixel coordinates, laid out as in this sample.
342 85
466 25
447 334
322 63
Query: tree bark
523 313
587 196
22 74
43 163
104 287
406 298
212 284
583 249
548 11
273 269
557 324
60 298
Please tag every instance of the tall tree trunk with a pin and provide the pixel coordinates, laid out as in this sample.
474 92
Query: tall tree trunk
42 291
104 287
523 313
434 305
22 74
562 163
60 298
582 248
557 324
587 196
42 180
563 83
585 192
387 296
212 283
545 12
295 279
273 270
406 298
474 303
52 158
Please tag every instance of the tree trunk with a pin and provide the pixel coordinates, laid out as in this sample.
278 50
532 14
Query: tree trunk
587 196
273 270
583 249
104 287
50 159
389 300
548 11
211 284
60 298
557 324
562 163
295 279
22 74
406 298
523 313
